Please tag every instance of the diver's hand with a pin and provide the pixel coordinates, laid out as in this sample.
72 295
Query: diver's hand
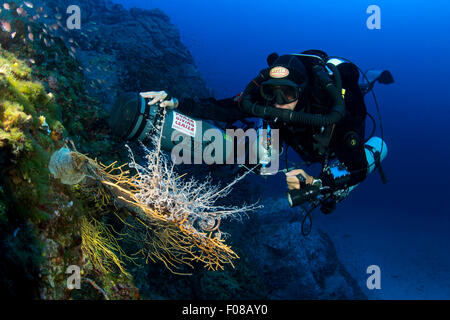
293 182
161 98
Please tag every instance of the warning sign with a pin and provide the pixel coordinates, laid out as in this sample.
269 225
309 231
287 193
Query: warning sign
183 124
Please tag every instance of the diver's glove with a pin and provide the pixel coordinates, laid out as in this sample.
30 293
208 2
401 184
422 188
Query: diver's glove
302 187
162 98
297 178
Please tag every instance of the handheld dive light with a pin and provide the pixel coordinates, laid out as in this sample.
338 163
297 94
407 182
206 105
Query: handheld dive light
339 174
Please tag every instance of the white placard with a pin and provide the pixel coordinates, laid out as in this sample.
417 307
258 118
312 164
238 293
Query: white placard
183 124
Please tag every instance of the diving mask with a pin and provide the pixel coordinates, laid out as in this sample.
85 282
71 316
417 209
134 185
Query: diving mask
280 94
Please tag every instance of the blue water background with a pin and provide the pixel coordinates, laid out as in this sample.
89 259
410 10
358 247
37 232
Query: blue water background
402 226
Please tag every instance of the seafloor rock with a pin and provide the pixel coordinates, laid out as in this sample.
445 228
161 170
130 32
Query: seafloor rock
291 265
128 50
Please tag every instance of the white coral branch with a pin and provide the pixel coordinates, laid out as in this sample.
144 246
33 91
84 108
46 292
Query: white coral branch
181 199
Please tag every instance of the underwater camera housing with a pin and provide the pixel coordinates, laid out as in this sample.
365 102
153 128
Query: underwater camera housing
375 150
200 141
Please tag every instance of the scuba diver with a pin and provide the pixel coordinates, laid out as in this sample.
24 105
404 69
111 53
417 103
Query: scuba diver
317 104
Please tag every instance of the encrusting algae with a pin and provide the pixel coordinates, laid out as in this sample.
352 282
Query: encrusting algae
40 219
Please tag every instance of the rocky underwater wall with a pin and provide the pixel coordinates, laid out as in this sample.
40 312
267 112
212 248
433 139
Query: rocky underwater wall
56 86
128 50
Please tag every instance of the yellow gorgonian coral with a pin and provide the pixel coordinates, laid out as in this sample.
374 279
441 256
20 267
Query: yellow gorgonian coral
101 247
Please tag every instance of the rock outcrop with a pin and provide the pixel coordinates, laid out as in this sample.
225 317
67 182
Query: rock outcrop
291 265
128 50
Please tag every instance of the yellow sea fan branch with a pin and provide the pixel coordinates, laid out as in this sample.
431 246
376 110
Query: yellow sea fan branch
101 247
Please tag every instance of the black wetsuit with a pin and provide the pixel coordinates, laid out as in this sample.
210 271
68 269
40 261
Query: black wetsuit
303 138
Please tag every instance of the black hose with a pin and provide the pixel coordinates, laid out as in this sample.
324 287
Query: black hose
337 77
307 216
374 127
